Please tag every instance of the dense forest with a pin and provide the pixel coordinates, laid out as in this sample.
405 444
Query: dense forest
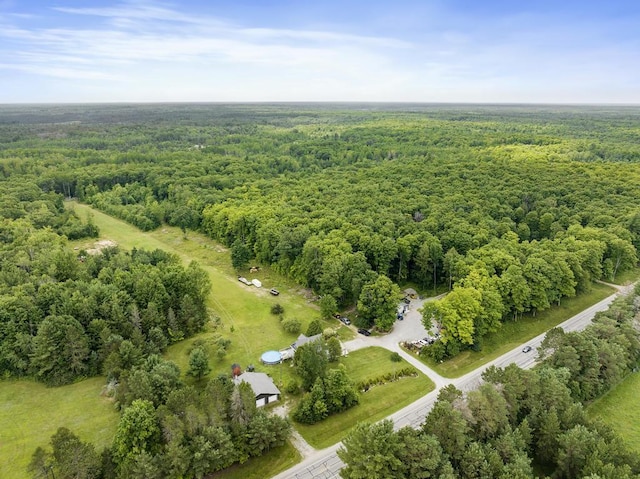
513 207
510 208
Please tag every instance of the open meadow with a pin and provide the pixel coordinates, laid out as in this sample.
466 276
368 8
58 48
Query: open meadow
30 413
244 311
620 408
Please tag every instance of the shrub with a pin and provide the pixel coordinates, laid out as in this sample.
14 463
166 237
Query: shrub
395 357
292 325
314 328
329 333
277 309
292 388
334 349
386 378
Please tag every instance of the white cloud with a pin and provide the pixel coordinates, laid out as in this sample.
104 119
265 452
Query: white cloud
143 51
139 33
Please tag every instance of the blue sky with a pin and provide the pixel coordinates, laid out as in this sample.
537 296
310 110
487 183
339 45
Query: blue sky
334 50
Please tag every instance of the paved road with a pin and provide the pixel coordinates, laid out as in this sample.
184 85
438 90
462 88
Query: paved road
325 464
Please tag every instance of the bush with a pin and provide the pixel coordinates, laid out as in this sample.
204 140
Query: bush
314 328
292 388
386 378
328 306
292 326
329 333
334 348
277 309
395 357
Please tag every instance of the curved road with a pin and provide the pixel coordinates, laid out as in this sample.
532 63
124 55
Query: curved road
326 464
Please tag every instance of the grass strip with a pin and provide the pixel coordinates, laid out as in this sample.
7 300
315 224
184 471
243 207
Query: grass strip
620 408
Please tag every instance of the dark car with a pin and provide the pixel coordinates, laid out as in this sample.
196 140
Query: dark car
527 349
345 320
274 292
366 332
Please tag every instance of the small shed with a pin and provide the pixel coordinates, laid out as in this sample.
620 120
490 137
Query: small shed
257 283
263 387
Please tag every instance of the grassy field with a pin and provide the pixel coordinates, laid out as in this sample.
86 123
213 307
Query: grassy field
31 413
243 310
514 333
268 465
377 403
620 408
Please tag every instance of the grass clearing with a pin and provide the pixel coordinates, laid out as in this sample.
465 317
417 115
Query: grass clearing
244 310
627 277
620 408
376 404
267 465
32 413
514 333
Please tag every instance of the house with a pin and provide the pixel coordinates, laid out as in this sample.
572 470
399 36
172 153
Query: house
263 387
302 340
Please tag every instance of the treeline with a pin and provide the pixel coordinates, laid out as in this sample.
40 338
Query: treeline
506 278
23 199
335 196
519 423
189 432
66 314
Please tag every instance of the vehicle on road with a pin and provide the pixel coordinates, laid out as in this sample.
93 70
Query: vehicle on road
274 291
527 349
344 320
366 332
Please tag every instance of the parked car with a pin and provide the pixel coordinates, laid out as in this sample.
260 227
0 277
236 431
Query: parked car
274 291
527 349
366 332
345 320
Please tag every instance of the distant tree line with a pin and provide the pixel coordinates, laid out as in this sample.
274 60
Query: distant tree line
335 198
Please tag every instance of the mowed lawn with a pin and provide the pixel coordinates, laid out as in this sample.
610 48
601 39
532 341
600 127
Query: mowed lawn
514 333
620 408
31 413
375 404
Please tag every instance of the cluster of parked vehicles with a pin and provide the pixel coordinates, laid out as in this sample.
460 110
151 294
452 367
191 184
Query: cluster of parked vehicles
426 341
